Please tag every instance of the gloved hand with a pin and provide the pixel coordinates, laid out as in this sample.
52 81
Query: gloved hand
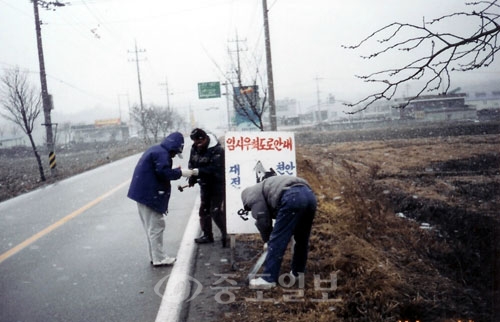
186 172
265 247
192 181
195 172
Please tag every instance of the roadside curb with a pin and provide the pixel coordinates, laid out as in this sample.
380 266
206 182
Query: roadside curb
179 281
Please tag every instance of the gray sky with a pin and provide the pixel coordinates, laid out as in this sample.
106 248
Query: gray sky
88 45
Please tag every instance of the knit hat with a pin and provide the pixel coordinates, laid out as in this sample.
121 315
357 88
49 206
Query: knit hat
197 134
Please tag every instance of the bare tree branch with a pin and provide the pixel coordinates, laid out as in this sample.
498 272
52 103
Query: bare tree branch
155 120
248 105
446 52
21 104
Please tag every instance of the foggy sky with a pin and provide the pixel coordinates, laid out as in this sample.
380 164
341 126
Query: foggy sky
89 44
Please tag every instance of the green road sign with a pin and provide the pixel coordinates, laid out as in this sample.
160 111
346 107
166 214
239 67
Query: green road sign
208 90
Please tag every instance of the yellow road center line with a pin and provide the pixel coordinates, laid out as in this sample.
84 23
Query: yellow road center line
59 223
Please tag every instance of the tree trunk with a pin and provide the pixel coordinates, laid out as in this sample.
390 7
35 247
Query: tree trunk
37 156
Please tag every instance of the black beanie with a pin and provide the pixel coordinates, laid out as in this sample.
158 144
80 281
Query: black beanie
198 134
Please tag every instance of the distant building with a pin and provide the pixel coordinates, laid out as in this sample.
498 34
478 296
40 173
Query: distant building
449 107
377 112
484 100
101 131
287 112
8 142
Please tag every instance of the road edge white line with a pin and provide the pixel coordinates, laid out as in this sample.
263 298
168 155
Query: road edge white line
179 281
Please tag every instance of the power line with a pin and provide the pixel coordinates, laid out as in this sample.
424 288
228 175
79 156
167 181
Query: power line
100 21
59 80
17 9
96 42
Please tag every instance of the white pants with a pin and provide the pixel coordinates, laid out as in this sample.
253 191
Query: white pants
154 225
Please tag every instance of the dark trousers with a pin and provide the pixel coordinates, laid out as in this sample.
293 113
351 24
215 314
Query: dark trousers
294 218
212 208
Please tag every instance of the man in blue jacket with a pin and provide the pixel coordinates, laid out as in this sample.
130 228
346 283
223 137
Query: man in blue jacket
150 188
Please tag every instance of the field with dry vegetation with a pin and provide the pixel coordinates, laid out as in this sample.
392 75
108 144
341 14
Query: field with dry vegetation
19 170
409 228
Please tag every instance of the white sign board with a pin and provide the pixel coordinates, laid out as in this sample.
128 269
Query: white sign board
248 156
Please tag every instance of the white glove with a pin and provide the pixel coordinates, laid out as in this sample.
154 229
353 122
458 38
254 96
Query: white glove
186 173
265 247
195 172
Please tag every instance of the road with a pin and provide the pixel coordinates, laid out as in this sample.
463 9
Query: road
76 250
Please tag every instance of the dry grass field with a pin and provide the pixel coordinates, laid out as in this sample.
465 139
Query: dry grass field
19 170
409 228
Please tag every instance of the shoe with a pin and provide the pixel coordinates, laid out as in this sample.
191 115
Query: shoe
204 239
224 242
261 283
165 262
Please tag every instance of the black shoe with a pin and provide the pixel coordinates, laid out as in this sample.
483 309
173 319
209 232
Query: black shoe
224 242
204 239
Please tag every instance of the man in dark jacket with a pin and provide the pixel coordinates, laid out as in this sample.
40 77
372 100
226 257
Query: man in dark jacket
207 162
150 188
292 203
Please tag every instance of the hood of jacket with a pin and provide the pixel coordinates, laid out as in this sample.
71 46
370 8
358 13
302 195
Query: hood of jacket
213 141
174 142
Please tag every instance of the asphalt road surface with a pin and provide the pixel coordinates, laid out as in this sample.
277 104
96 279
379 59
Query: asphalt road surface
76 250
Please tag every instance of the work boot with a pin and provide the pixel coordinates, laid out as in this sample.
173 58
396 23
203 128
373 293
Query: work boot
205 239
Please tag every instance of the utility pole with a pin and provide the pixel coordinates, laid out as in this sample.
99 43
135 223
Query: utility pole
227 105
238 79
129 112
270 81
238 49
168 93
317 79
46 99
136 52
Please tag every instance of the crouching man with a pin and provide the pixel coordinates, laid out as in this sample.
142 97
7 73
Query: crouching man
292 203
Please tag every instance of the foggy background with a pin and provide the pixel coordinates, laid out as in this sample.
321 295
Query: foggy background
89 49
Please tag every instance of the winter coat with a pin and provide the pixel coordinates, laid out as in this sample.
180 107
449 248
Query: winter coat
210 164
264 198
150 184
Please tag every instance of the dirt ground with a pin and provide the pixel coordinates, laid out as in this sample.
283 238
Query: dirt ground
406 229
